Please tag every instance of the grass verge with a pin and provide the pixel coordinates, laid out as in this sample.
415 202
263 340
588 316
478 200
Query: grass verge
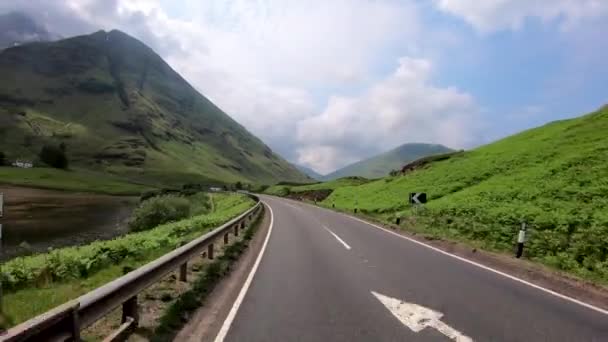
38 283
178 313
69 180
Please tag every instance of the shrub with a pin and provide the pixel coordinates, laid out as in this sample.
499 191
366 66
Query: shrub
54 157
159 210
2 159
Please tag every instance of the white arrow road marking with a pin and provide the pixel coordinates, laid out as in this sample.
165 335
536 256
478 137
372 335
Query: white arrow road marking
337 238
417 317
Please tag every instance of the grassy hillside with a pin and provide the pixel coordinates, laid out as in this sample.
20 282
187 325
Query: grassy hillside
382 164
282 190
554 177
120 109
71 180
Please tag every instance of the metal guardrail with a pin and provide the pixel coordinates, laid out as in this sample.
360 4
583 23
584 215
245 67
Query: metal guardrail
65 322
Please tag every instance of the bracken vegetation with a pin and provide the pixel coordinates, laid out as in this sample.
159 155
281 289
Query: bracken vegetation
554 178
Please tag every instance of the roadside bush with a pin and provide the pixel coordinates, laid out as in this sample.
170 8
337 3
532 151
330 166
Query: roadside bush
2 159
159 210
82 261
54 157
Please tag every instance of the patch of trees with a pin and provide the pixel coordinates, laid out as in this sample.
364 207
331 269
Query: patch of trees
54 156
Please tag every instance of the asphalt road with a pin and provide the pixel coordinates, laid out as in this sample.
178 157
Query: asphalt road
318 275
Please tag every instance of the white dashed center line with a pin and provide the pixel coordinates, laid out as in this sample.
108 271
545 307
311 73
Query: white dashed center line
337 238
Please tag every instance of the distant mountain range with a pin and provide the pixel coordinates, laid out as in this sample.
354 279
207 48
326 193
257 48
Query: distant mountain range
17 28
119 108
309 172
382 164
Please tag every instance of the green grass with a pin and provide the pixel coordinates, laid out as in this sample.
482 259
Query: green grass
282 190
554 177
71 180
32 301
70 272
179 312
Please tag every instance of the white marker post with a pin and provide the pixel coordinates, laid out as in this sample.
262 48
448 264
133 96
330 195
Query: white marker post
521 238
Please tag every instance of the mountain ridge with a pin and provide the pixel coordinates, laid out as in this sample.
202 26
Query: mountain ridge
382 164
309 172
119 106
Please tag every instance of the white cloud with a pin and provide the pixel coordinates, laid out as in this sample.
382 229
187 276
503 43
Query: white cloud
269 64
493 15
403 107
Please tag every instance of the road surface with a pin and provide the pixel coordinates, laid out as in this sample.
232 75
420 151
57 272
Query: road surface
324 276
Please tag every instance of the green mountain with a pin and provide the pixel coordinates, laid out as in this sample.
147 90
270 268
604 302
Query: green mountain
119 108
309 172
380 165
554 178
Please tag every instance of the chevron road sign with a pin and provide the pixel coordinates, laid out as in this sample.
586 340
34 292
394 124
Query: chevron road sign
417 197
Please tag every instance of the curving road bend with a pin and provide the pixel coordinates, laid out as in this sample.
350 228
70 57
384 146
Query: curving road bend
324 276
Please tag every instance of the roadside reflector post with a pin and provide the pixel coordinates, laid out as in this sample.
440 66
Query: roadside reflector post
183 272
521 239
210 251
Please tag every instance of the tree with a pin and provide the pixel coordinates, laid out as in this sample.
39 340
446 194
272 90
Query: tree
54 157
238 185
2 159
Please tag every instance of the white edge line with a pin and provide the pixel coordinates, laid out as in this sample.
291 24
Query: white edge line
239 299
538 287
576 301
337 238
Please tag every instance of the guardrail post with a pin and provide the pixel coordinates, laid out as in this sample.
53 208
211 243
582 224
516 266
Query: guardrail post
236 230
183 272
226 239
210 251
75 325
129 309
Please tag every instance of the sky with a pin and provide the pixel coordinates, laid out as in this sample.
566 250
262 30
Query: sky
327 83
